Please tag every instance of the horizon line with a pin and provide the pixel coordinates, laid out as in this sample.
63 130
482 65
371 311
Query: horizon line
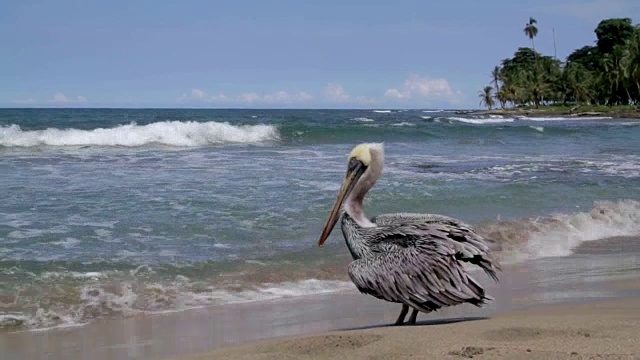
218 108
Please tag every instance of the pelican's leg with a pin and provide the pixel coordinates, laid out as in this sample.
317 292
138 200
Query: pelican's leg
403 313
412 318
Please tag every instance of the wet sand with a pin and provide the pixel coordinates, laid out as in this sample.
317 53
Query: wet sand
581 306
607 329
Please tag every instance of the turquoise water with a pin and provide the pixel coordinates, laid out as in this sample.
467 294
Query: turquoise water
108 212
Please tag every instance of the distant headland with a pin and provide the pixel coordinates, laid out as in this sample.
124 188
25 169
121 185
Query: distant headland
594 80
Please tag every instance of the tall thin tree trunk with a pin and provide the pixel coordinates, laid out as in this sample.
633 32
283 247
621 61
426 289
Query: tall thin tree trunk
629 99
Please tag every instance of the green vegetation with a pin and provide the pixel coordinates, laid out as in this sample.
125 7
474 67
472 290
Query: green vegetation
604 76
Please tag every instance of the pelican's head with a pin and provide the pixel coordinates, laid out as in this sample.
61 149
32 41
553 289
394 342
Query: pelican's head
363 168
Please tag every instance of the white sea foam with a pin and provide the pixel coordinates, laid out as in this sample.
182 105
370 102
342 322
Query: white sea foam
10 320
620 166
363 119
31 233
558 235
382 111
490 120
562 118
66 243
170 133
97 300
73 274
628 167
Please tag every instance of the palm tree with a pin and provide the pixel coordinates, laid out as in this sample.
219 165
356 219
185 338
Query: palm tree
631 60
486 96
531 31
510 93
535 86
613 74
503 97
496 77
578 83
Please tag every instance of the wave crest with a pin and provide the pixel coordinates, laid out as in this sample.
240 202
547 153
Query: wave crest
558 235
81 302
169 133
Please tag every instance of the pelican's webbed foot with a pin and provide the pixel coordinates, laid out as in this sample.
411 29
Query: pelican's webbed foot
403 313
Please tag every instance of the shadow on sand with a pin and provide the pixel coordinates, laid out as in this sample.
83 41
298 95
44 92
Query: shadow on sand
421 323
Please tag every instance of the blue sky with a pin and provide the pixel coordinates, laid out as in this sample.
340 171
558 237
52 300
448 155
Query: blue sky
275 54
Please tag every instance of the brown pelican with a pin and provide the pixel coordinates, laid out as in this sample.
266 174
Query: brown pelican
412 259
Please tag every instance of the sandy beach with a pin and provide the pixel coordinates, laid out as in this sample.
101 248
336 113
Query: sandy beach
607 329
583 306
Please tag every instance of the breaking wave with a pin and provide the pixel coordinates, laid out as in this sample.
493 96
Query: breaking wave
169 133
492 119
71 298
557 235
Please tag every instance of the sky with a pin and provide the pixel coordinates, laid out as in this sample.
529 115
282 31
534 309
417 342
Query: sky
277 53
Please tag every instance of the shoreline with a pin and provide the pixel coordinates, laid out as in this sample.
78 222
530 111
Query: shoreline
234 329
558 331
562 111
290 274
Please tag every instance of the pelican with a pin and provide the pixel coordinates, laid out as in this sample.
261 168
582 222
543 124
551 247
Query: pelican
408 258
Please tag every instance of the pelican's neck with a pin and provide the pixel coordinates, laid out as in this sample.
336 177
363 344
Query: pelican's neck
353 203
353 207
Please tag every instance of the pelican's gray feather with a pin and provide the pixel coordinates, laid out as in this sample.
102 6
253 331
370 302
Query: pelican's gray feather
405 218
445 231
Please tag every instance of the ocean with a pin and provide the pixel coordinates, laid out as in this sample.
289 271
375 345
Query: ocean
116 212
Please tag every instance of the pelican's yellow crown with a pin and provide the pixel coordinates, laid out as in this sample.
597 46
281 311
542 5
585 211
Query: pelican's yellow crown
362 152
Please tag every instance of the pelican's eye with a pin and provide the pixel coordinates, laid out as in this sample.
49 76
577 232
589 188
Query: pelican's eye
354 164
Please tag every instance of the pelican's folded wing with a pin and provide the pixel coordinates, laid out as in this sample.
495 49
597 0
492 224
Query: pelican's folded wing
408 218
425 277
447 233
431 219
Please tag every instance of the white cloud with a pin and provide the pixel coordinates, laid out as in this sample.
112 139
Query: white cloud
303 96
60 98
415 91
220 98
335 92
423 88
284 97
249 98
279 97
394 93
198 94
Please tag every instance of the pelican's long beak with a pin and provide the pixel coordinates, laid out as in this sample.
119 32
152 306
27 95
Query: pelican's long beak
356 169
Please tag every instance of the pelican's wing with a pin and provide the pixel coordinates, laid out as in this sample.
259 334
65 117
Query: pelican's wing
446 232
426 277
406 218
422 219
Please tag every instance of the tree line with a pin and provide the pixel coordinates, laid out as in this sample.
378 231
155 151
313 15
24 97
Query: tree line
607 73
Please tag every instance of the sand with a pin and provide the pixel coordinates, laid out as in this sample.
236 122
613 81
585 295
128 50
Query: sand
599 329
584 306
